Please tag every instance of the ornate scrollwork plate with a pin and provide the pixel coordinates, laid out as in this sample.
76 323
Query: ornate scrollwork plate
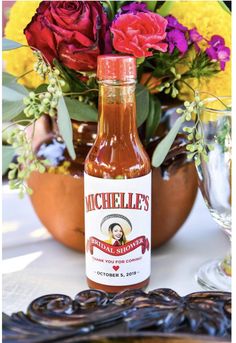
160 315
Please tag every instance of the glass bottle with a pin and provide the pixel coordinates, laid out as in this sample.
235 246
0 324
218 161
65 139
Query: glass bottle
117 186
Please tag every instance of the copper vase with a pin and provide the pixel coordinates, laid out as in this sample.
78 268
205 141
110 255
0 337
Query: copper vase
58 194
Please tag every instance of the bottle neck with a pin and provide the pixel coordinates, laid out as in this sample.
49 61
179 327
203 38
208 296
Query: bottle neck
117 110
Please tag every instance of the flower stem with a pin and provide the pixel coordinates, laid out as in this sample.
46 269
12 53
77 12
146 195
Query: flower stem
148 79
28 72
80 93
16 122
186 83
217 98
111 8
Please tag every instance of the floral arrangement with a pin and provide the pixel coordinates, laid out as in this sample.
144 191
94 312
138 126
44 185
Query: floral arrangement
67 36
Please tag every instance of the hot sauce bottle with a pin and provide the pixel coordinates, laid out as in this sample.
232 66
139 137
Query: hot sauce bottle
117 186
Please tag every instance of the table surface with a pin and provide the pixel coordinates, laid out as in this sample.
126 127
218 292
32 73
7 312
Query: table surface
34 264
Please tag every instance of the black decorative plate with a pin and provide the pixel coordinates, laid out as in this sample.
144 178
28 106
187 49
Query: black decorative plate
133 315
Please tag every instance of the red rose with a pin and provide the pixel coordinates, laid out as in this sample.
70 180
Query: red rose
136 34
73 32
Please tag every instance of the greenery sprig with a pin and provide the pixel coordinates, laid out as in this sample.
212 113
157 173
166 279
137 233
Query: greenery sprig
44 102
25 163
37 104
197 148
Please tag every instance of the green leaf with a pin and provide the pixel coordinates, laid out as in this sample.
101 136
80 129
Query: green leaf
13 95
8 153
140 60
22 116
142 104
223 5
81 111
153 118
151 5
164 146
71 77
41 88
65 127
10 94
7 78
8 44
165 8
10 81
109 7
11 109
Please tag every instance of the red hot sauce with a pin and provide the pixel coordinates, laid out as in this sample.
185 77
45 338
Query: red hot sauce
117 186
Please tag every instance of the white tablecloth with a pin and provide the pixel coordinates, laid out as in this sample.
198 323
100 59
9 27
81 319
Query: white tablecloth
35 264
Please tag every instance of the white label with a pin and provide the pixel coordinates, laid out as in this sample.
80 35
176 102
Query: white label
118 230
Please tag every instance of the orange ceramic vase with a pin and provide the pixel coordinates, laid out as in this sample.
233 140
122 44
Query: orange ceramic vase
58 195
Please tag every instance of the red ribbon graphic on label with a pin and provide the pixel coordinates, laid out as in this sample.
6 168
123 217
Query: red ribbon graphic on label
141 241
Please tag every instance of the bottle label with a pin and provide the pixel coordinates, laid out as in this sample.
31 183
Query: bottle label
118 230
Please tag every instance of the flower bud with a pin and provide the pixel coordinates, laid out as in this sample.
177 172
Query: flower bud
62 82
30 112
200 148
50 89
48 95
53 81
32 95
52 112
26 110
53 104
59 93
188 117
45 101
11 174
26 101
57 72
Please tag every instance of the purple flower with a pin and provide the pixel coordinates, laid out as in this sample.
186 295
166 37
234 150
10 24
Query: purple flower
211 53
134 7
218 51
195 37
176 38
216 41
174 24
176 35
222 55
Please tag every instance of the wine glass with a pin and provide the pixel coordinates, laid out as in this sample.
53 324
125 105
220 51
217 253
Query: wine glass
214 178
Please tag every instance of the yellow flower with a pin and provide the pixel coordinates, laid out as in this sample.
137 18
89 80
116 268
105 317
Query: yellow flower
62 169
19 61
210 19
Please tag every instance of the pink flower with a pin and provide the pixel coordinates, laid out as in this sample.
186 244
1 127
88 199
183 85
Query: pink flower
136 34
